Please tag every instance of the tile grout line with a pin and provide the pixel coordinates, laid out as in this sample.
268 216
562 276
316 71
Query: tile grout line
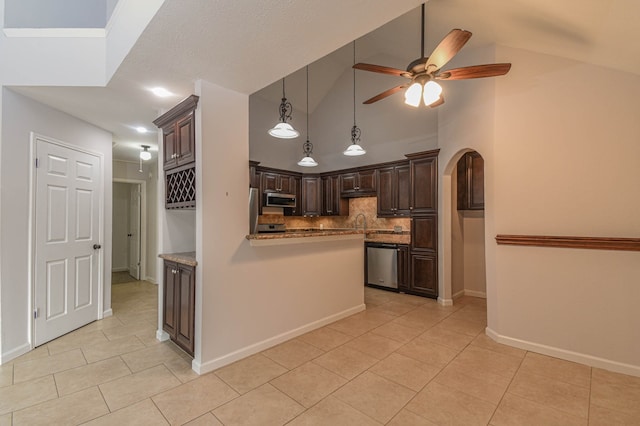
508 386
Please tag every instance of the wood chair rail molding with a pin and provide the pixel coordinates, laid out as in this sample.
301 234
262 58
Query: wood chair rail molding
595 243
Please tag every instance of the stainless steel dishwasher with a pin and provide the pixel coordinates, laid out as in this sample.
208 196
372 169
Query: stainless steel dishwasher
382 265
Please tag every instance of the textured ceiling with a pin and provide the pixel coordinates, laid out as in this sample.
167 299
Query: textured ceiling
248 46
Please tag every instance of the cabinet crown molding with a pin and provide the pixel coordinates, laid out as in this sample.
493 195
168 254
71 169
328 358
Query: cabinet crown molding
185 107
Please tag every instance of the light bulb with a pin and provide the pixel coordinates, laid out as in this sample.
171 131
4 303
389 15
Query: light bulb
412 95
432 92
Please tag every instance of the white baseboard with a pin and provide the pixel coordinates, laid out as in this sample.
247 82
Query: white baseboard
473 293
151 280
207 366
15 353
124 269
445 302
457 294
162 335
593 361
107 313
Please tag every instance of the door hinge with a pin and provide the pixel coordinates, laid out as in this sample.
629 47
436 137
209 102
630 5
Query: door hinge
37 163
36 313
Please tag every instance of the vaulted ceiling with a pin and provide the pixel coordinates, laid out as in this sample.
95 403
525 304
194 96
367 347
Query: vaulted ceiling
250 46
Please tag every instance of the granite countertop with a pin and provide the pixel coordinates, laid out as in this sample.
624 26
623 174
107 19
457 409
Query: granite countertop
186 258
380 236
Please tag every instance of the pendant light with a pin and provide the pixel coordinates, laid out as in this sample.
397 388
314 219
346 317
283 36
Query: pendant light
145 154
307 147
354 149
284 130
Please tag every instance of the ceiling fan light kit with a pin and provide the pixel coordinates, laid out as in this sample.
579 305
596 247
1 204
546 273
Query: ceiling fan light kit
284 130
424 70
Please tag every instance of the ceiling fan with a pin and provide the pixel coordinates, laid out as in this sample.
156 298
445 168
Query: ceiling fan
425 70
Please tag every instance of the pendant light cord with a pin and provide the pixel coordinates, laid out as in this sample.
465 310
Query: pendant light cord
283 88
307 102
354 83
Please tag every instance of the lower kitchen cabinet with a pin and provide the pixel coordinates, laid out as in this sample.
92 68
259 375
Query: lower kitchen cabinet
178 307
403 267
424 276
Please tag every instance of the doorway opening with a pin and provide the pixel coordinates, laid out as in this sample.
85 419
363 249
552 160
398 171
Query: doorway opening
465 254
128 236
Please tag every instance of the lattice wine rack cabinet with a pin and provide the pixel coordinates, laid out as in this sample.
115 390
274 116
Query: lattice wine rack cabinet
181 188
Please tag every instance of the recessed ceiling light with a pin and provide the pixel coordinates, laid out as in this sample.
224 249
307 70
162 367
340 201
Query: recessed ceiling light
161 92
141 129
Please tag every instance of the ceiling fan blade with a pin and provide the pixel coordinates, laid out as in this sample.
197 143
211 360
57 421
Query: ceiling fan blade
385 94
474 71
380 69
447 49
437 103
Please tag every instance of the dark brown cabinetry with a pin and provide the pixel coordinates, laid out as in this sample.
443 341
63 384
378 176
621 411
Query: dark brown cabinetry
470 182
394 191
311 195
275 180
424 182
178 307
423 253
403 267
361 183
179 153
332 203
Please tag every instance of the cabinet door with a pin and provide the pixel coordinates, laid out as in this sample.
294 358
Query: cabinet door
287 184
424 275
367 182
270 182
327 196
424 185
403 267
186 140
424 233
386 192
311 196
471 182
348 183
403 191
169 147
169 309
185 302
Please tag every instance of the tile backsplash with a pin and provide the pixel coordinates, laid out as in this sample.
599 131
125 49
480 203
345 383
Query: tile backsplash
366 205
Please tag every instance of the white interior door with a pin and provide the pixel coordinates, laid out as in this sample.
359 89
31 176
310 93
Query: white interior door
134 231
67 247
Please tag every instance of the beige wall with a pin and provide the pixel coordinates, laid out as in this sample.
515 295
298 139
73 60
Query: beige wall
249 298
566 162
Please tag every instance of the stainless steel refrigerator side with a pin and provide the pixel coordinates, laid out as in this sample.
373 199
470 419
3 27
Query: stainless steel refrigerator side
253 210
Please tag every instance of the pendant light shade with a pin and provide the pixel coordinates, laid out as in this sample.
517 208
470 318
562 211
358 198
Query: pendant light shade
145 154
284 130
307 148
354 149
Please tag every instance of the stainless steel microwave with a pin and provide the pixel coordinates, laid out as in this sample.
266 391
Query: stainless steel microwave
278 199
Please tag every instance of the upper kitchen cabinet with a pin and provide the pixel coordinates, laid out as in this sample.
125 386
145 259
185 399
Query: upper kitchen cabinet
423 170
471 182
360 183
394 190
332 203
254 174
179 134
311 195
278 182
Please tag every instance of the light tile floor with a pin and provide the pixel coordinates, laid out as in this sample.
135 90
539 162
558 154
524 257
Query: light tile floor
404 361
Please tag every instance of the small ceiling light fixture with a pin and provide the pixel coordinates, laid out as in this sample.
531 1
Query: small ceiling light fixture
354 149
141 129
161 92
307 147
284 130
145 154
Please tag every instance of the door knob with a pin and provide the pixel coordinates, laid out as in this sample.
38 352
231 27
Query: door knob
97 246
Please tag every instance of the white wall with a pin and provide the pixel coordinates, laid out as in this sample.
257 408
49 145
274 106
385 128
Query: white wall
130 171
20 116
120 241
50 14
244 301
566 163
